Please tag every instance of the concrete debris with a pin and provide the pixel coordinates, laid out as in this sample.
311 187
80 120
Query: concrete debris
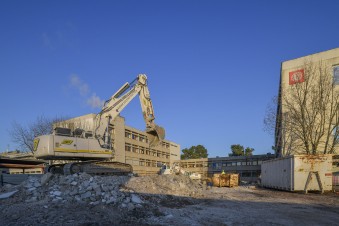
7 194
122 191
45 178
178 185
82 199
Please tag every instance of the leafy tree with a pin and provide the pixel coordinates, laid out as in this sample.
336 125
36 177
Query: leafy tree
237 150
249 151
23 135
194 152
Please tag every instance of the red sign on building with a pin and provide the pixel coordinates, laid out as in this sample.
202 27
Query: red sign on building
296 76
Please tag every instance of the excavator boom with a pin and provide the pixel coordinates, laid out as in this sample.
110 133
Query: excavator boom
90 139
119 101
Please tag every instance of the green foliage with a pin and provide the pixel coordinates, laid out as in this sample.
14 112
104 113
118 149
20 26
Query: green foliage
238 150
194 152
249 151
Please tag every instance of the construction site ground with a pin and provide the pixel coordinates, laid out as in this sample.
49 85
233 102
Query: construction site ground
158 200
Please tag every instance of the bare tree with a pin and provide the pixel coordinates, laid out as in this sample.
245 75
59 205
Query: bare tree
270 118
310 112
24 136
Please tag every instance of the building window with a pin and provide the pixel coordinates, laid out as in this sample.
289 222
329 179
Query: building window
127 147
246 174
135 149
255 174
142 139
218 165
134 136
127 134
142 150
336 75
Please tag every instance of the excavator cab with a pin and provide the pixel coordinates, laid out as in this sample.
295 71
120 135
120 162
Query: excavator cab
155 135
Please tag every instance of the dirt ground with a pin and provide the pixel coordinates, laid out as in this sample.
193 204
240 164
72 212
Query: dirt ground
243 205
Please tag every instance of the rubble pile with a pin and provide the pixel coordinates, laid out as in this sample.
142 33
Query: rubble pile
178 185
121 191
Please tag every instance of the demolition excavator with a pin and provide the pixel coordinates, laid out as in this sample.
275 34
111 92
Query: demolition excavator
86 143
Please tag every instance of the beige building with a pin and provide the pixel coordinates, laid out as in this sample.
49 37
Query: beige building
295 73
131 145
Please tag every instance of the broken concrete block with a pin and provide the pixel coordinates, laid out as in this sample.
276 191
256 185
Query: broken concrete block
57 193
7 194
136 199
86 195
45 178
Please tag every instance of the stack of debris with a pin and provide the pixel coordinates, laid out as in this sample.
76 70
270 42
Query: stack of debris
121 191
179 185
81 188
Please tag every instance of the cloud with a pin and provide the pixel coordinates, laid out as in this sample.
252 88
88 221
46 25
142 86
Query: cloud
95 102
82 87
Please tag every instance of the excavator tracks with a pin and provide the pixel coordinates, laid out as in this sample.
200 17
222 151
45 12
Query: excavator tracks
93 168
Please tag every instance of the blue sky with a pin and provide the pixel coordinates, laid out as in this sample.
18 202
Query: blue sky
212 66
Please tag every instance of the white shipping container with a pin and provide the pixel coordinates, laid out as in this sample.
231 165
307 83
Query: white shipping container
291 173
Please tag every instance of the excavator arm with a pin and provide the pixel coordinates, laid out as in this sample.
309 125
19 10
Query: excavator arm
119 100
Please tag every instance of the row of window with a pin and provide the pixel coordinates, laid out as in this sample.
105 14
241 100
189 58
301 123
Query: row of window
249 174
146 151
218 165
240 163
136 136
146 162
142 138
